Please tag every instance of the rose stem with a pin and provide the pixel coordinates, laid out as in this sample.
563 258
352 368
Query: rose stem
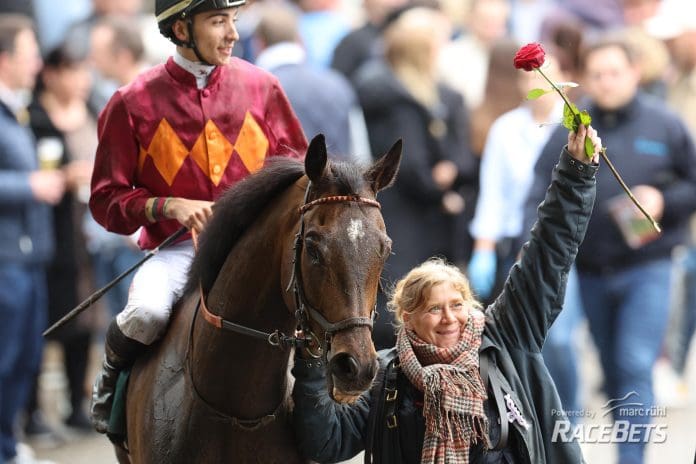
603 154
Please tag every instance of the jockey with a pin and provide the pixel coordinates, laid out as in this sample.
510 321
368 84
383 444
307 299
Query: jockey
169 144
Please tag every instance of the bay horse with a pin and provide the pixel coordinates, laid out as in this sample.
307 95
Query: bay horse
292 241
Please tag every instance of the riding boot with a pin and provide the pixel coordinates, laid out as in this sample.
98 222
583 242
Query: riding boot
119 353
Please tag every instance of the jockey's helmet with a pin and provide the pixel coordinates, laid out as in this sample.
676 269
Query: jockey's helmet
168 11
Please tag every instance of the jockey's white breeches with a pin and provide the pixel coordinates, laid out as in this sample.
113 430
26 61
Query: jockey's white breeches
156 286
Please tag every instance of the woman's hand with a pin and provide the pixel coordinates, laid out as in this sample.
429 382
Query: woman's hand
194 214
576 144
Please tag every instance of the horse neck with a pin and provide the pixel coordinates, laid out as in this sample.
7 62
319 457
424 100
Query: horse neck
240 375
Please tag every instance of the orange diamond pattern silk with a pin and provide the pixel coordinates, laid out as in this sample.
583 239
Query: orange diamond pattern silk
163 136
211 152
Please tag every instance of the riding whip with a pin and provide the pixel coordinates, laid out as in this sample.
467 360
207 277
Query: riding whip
99 293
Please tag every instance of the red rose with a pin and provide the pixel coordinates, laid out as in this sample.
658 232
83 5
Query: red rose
530 57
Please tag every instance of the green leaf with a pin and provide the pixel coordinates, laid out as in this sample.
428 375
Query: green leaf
589 147
570 122
585 118
536 93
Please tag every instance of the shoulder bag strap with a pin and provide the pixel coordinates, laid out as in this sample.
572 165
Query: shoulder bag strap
498 399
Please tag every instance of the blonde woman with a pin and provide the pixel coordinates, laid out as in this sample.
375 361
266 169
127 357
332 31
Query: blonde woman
402 98
462 385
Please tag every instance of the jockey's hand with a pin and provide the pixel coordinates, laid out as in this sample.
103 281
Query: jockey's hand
576 144
194 214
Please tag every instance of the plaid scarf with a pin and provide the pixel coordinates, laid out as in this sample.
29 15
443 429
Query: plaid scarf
452 389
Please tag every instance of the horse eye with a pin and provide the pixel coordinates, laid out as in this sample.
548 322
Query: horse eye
313 250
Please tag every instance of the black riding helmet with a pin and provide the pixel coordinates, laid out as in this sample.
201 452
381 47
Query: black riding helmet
169 11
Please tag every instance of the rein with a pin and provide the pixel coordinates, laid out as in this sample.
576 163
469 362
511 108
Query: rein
304 313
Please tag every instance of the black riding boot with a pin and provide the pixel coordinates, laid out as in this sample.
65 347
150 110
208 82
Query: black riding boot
119 353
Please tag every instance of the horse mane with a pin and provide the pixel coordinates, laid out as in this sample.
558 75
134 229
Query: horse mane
242 203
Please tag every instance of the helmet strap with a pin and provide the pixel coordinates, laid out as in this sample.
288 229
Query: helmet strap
192 42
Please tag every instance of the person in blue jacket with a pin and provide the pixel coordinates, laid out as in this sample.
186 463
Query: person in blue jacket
464 385
26 226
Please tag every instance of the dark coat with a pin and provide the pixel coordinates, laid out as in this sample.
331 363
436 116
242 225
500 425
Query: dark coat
356 49
412 208
63 271
516 326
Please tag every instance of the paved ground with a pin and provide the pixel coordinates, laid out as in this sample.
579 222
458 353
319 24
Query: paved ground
678 448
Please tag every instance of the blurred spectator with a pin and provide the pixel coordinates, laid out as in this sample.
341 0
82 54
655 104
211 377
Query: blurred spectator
79 33
637 12
23 7
562 36
64 127
527 17
322 26
117 53
117 50
463 63
625 271
652 58
501 94
26 229
676 24
53 20
157 48
322 99
365 42
512 147
402 98
604 14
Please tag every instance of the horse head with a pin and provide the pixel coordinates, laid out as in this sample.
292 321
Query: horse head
339 254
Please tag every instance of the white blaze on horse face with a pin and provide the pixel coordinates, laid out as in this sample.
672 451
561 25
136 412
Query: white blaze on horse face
355 231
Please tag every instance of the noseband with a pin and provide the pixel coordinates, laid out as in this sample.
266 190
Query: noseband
304 312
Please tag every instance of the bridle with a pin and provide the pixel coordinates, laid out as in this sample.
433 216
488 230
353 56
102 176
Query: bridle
304 311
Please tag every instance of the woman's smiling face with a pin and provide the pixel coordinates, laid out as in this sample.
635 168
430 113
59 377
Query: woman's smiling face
442 318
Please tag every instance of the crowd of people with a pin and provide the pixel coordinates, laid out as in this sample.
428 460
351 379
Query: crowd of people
477 160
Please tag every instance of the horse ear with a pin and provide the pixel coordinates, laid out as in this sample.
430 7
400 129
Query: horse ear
382 174
315 161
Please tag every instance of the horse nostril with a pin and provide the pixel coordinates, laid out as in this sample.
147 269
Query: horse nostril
344 366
